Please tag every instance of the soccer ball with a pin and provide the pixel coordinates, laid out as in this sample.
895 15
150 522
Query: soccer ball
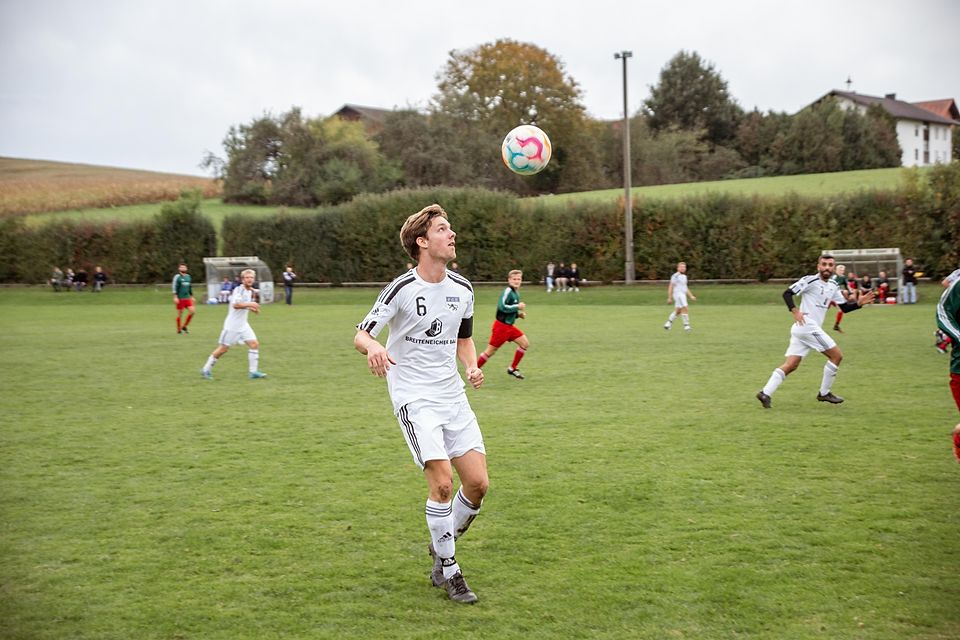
526 150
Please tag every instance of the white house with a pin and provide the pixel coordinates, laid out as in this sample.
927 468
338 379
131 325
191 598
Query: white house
925 137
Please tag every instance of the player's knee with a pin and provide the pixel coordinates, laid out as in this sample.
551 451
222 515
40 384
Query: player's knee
444 490
253 344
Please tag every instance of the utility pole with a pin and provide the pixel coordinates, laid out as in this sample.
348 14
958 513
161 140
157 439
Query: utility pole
628 265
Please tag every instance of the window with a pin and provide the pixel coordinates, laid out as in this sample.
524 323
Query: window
916 131
916 154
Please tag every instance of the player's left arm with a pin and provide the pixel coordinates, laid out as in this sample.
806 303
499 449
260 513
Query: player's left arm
467 353
948 313
690 293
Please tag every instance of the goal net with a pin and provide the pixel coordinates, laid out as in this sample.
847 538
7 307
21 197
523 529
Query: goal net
218 269
871 262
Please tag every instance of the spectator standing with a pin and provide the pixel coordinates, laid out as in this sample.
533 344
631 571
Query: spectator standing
99 279
289 277
908 293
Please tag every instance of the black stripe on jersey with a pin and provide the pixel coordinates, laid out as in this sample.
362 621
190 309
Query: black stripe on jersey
459 279
368 327
804 281
391 289
411 435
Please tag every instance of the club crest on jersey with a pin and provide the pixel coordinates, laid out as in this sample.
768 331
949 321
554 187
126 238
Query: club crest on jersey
453 302
435 328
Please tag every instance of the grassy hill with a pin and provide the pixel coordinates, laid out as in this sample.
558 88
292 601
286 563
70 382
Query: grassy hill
97 194
32 186
815 184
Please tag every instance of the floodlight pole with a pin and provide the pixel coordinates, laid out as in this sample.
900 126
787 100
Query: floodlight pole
628 266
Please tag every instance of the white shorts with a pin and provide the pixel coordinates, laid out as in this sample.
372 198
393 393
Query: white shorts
808 336
436 431
679 300
229 338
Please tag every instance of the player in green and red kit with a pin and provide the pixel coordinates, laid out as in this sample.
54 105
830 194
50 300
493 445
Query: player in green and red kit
509 308
183 297
948 319
840 277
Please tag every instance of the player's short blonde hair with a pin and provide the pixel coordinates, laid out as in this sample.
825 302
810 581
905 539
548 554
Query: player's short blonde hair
515 272
246 271
416 226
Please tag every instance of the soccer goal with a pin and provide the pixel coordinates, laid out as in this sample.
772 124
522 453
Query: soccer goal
219 268
871 262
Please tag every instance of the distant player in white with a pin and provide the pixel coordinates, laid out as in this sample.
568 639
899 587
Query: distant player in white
817 292
677 293
429 310
236 328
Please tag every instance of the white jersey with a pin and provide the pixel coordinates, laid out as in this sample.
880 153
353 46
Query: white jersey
679 282
816 297
237 318
424 320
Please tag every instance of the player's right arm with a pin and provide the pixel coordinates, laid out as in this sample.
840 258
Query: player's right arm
792 307
670 291
378 360
176 281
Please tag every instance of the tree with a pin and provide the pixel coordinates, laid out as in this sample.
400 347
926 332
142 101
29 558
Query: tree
297 161
692 95
494 87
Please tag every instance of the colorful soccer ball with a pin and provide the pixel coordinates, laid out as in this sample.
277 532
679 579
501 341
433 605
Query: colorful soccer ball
526 150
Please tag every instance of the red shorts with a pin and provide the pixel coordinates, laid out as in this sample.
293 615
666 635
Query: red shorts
955 388
503 332
184 303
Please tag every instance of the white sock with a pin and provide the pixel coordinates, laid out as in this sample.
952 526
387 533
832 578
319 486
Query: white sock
210 362
253 358
829 375
686 319
673 316
776 378
464 512
440 523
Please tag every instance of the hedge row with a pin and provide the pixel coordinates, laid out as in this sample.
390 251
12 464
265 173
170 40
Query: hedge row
133 252
720 236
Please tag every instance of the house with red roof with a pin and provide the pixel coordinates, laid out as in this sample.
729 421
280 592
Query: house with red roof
924 129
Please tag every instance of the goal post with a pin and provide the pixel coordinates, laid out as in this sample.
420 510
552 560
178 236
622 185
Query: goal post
871 262
218 268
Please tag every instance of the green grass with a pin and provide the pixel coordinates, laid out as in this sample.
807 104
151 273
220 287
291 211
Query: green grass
815 185
638 489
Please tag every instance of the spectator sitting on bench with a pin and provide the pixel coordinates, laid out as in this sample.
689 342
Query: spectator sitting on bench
882 286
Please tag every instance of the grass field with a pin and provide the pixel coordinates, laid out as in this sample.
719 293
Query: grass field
638 489
815 185
31 186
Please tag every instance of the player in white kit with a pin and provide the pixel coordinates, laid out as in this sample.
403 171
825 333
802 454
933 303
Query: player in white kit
817 291
237 329
429 310
677 293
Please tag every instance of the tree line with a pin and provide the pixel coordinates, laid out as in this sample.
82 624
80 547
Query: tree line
689 129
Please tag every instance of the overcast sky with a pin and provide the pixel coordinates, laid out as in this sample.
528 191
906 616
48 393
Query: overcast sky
153 85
